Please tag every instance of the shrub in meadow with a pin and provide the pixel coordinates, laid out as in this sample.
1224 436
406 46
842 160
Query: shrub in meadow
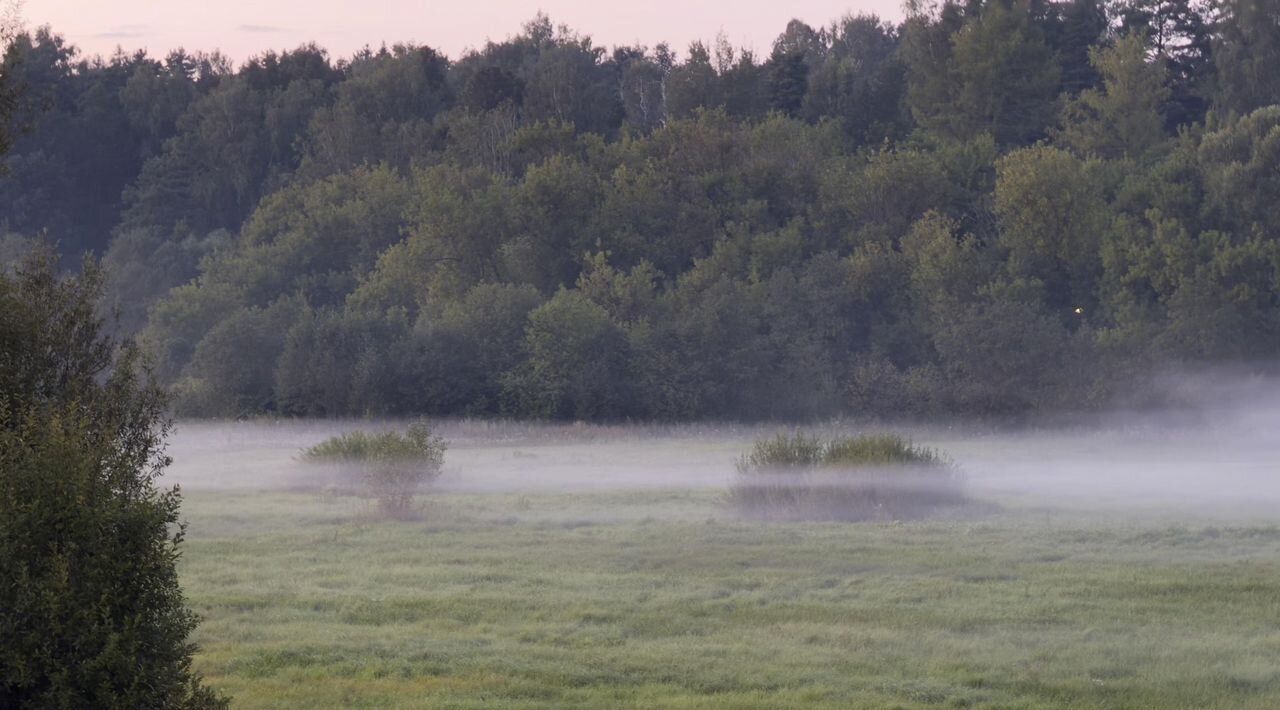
391 465
869 477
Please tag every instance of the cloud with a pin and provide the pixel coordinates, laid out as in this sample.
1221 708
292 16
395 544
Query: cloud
125 32
258 28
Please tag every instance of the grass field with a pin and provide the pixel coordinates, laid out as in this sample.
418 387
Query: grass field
659 598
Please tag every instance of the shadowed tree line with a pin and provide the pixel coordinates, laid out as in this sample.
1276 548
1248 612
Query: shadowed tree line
992 208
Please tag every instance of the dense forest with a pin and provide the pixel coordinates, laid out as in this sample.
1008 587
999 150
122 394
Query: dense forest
992 208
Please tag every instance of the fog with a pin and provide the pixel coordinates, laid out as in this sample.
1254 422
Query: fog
1218 452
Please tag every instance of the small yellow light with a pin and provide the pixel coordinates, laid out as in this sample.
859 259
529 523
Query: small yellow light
1079 311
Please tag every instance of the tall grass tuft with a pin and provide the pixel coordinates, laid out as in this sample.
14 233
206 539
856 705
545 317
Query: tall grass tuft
794 451
392 465
879 450
869 477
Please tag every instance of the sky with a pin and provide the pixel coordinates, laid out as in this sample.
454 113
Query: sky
242 28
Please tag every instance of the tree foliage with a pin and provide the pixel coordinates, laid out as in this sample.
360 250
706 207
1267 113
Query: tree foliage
995 207
90 607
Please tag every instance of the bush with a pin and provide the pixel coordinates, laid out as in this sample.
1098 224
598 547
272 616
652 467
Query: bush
392 465
869 477
91 612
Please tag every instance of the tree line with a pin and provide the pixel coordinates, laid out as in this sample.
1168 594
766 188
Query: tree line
990 208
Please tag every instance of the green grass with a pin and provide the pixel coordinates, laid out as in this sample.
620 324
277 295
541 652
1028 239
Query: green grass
662 599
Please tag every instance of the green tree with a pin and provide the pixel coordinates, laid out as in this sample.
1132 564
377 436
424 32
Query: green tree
891 192
91 611
1246 52
1240 169
576 366
490 88
1003 356
994 74
947 269
383 112
1179 34
1204 297
788 81
568 81
232 144
1006 76
628 297
143 265
743 82
80 135
861 82
232 370
346 221
693 84
1053 214
10 25
1074 29
927 53
459 358
316 239
1228 307
337 363
1124 118
642 84
702 356
554 204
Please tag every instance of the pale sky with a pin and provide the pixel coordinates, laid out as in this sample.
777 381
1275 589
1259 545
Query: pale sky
241 28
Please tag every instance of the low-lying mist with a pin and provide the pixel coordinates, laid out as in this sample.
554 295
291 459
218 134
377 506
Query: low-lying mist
1217 455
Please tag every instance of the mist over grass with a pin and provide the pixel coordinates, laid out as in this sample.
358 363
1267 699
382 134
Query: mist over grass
1123 562
1216 452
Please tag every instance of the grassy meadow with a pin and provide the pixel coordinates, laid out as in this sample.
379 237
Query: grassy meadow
599 597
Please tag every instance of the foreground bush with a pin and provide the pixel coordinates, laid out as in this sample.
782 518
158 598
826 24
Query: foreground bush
392 465
870 477
91 612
